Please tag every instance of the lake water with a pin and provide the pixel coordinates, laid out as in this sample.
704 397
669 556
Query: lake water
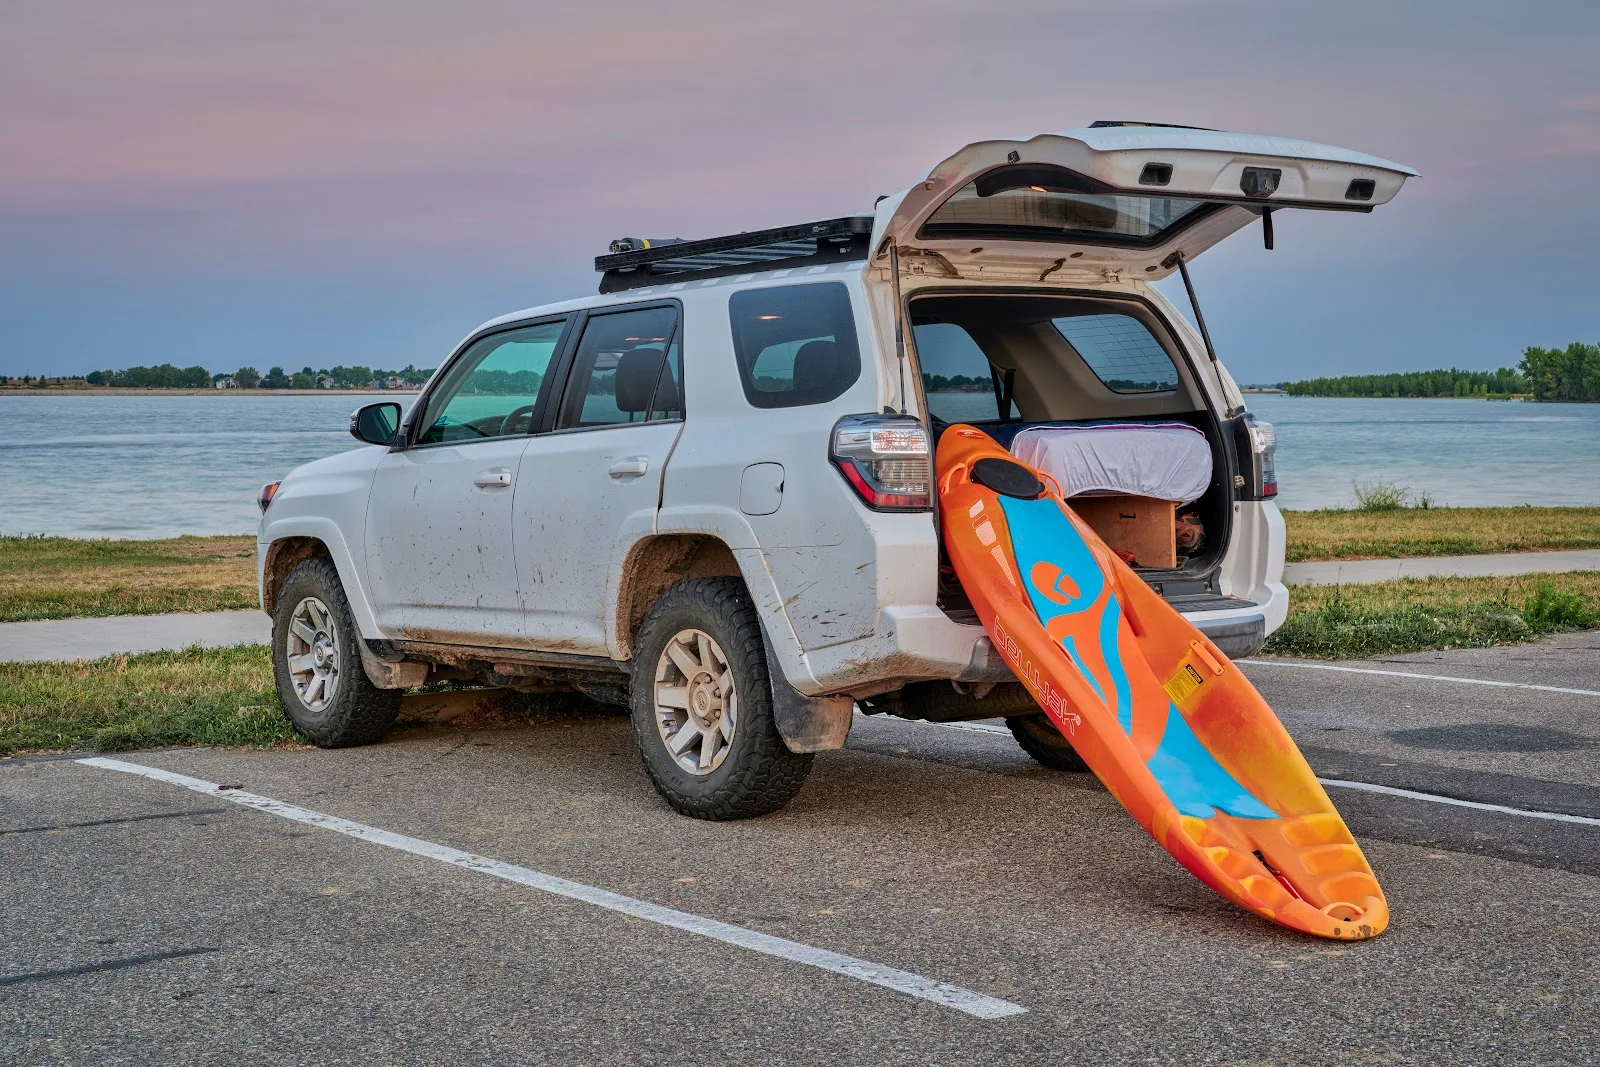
157 466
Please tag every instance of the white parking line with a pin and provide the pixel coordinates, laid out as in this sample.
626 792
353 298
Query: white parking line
1340 783
972 727
1412 674
1434 798
963 1000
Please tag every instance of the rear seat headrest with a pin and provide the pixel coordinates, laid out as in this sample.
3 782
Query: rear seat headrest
637 372
816 365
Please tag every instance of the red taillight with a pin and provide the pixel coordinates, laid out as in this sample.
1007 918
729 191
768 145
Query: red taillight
268 491
886 460
1255 443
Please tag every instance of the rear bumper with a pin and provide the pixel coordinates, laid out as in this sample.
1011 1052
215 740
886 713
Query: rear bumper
921 643
1236 637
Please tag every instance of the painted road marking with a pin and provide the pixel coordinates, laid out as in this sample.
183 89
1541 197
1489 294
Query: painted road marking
1426 677
950 996
1340 783
1434 798
974 727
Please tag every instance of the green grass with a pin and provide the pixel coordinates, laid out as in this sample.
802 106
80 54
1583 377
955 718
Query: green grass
63 577
1413 615
1338 533
225 696
214 696
219 696
59 577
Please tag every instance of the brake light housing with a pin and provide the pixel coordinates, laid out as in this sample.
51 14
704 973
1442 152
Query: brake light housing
1255 443
886 459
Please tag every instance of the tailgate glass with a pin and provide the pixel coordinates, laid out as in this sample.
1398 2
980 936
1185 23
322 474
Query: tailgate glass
1043 214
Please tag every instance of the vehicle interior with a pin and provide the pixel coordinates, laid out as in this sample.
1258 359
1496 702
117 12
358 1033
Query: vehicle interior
1009 362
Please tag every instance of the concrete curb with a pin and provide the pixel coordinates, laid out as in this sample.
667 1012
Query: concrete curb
1368 571
75 639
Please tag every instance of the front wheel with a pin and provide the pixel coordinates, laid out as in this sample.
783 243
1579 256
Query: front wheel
316 662
701 701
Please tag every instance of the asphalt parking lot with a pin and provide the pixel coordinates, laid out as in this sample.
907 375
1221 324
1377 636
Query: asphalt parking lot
149 921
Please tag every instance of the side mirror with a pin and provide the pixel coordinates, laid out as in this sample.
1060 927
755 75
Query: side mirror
376 424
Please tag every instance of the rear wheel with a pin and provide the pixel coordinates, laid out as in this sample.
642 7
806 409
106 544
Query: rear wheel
1040 739
701 702
316 662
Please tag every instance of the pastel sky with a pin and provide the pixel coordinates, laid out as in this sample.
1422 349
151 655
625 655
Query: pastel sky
294 182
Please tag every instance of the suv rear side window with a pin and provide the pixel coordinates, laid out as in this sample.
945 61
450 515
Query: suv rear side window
795 344
626 370
1123 354
957 378
493 389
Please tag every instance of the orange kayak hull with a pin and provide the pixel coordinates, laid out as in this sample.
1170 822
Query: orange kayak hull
1172 727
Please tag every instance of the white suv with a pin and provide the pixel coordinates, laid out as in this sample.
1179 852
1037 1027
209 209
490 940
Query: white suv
706 492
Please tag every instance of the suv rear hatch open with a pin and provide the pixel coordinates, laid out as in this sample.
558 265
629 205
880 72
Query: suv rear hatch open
1114 202
1118 199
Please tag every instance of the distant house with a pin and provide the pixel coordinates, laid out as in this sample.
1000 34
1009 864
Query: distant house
226 383
326 382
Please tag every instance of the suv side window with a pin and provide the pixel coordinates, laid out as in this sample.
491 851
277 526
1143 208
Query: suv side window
957 378
493 390
627 369
1121 351
795 344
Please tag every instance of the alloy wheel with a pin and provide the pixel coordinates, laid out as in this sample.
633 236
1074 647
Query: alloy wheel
696 706
312 652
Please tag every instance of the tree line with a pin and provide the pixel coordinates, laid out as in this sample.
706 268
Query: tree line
1554 374
1571 373
167 376
956 383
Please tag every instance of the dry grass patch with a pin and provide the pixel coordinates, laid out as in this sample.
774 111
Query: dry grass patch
1344 534
1415 614
62 577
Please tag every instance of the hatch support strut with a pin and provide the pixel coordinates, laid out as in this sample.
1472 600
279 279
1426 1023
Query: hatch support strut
899 326
1176 259
1199 319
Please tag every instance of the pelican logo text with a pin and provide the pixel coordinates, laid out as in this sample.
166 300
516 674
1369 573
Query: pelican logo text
1050 700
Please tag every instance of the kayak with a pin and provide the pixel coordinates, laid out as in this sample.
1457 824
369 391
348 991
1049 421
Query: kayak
1172 727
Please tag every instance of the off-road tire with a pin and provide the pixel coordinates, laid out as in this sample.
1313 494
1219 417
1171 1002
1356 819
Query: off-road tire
1040 739
759 775
360 713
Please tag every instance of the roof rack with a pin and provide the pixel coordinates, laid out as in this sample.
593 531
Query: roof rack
635 262
1101 124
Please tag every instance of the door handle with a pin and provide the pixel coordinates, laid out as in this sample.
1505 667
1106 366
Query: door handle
632 467
493 478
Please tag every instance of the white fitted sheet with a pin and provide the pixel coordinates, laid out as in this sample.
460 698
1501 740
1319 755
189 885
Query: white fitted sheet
1165 460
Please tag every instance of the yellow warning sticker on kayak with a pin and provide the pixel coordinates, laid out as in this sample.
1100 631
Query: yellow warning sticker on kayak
1183 684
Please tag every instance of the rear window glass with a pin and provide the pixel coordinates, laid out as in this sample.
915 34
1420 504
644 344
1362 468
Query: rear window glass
1121 351
795 344
998 206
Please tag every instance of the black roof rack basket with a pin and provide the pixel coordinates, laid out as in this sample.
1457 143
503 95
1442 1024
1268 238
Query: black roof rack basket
634 262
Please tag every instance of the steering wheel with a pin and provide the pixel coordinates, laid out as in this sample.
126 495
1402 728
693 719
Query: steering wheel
507 422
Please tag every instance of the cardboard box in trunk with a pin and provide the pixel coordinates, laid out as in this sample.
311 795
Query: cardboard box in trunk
1143 525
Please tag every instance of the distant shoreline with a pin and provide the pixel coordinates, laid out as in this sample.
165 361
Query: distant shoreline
1516 398
106 390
